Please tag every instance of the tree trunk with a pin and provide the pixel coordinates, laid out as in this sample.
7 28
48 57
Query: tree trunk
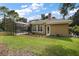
4 21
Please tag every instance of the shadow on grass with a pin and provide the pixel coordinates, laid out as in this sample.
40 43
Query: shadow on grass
58 50
61 38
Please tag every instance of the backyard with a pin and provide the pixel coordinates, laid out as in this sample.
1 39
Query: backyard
39 46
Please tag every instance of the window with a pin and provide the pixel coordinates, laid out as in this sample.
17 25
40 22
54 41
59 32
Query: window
34 28
39 27
48 29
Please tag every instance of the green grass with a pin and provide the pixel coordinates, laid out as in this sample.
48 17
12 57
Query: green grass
60 46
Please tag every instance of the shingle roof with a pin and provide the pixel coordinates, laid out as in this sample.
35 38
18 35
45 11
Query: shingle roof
53 21
22 23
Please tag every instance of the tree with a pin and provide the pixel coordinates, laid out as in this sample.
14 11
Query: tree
76 18
10 26
46 17
3 11
13 15
54 17
65 8
75 30
8 22
43 16
22 19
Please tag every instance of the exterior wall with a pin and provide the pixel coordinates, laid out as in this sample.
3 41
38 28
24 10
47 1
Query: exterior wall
57 29
60 29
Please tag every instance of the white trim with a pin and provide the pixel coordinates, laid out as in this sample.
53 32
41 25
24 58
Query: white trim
48 34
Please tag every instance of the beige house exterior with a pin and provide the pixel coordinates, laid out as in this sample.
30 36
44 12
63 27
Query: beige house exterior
51 27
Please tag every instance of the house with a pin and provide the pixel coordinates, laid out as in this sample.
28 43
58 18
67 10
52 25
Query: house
51 26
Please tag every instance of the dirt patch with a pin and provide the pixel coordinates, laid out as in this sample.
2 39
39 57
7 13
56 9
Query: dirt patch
4 51
19 53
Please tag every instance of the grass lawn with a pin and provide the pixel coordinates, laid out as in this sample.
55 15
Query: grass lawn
42 45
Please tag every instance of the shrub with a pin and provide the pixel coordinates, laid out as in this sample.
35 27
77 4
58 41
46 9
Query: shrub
76 28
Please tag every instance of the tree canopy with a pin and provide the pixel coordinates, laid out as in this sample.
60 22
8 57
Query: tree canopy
9 18
65 8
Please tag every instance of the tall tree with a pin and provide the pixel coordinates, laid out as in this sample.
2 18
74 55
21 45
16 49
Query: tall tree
43 16
75 18
8 23
13 15
10 26
3 11
65 8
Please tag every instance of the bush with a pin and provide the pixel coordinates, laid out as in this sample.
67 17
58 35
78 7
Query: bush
76 28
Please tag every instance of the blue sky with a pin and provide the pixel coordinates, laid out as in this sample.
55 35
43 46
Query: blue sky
34 10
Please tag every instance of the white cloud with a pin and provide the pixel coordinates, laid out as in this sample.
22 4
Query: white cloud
34 17
46 14
23 12
56 12
58 15
26 10
73 11
24 6
35 6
